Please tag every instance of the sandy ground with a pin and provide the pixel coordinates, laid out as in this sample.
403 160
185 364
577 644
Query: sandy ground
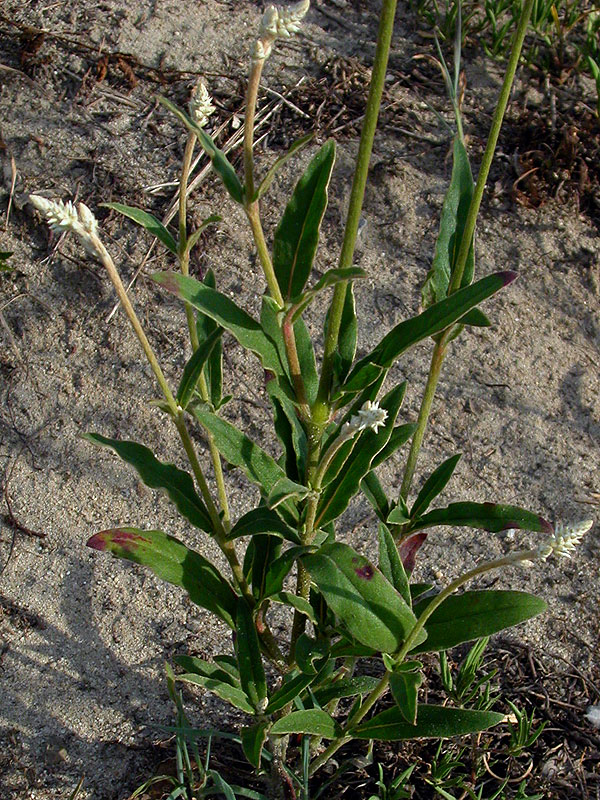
83 638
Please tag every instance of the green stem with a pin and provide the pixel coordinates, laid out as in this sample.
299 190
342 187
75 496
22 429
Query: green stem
411 641
490 148
289 339
321 407
466 242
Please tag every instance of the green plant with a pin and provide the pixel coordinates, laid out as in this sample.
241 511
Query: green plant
467 688
396 790
335 428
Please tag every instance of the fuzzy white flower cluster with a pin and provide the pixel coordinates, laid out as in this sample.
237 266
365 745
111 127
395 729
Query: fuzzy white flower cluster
201 106
565 540
370 416
278 23
63 217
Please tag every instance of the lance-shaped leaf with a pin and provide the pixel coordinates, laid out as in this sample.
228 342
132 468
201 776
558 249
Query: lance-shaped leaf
405 688
147 221
492 517
263 551
193 368
253 739
391 565
347 687
339 491
434 484
297 235
213 370
172 561
312 721
225 312
286 489
231 694
292 686
297 602
263 520
219 160
366 604
242 452
178 484
330 278
435 319
452 224
247 648
296 147
432 722
193 237
347 337
278 571
375 494
199 666
289 430
472 615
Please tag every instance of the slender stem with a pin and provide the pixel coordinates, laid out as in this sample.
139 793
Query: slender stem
466 242
289 340
384 38
256 69
411 641
435 367
490 147
253 214
183 184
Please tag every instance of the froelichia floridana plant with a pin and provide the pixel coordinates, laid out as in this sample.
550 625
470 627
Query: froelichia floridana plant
336 425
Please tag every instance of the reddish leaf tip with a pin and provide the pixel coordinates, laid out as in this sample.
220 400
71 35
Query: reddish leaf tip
508 276
119 537
98 541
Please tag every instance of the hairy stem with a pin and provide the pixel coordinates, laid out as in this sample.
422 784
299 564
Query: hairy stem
321 408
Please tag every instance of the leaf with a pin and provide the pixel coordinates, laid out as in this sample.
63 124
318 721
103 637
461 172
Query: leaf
435 319
434 484
193 237
147 221
285 489
432 722
213 371
391 565
330 278
491 517
476 318
309 652
297 235
240 451
405 689
291 687
348 687
400 435
219 160
312 721
373 491
306 357
173 562
225 312
253 739
452 224
279 570
231 694
264 550
297 602
193 368
247 648
263 520
368 606
178 484
472 615
348 336
289 431
199 666
296 147
339 491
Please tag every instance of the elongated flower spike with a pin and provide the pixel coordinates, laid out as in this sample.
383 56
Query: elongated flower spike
565 540
278 23
201 106
63 217
369 416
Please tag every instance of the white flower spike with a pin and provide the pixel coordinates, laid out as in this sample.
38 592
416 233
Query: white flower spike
59 216
278 23
565 540
201 106
370 416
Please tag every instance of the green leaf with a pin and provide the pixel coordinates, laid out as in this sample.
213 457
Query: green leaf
247 648
264 550
297 602
263 520
434 484
347 337
435 319
193 237
231 694
193 368
491 517
147 221
330 278
226 313
285 489
289 431
348 687
218 159
399 514
476 318
306 357
178 484
339 491
199 666
240 451
296 147
432 722
297 235
452 224
373 491
291 687
173 562
405 688
213 371
368 606
312 721
400 435
253 739
472 615
279 570
390 563
309 652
